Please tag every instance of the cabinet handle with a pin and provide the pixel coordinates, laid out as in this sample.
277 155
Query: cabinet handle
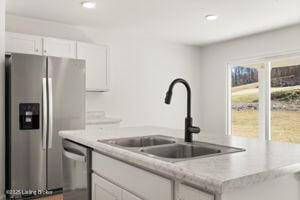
74 156
50 99
45 114
36 50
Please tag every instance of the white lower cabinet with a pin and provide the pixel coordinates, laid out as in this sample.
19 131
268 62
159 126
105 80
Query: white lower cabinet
189 193
144 184
128 196
122 181
105 190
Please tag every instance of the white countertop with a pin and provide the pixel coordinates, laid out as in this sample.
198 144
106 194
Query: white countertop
260 162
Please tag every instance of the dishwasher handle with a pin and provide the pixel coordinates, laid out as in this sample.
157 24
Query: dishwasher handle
74 156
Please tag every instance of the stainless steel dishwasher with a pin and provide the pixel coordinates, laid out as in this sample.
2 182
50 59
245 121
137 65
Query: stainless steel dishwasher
76 171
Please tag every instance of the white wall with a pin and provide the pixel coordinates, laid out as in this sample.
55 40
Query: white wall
141 70
141 73
213 69
2 144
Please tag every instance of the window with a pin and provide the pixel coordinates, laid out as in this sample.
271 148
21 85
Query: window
264 99
244 101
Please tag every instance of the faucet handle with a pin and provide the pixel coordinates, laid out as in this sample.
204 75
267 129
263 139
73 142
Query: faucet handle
194 129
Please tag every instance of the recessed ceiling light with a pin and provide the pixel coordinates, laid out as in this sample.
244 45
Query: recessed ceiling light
88 4
211 17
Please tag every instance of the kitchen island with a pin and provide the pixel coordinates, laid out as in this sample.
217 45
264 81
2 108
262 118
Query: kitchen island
266 170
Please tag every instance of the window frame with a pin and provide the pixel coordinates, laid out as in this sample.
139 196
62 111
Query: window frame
264 81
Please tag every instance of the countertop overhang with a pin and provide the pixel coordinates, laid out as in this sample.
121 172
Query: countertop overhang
262 160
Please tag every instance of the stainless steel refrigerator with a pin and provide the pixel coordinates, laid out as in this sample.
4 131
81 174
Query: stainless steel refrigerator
43 95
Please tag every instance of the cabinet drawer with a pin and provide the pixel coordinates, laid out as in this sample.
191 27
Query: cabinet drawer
190 193
104 190
138 181
128 196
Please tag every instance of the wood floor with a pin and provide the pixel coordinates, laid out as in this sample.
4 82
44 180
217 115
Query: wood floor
54 197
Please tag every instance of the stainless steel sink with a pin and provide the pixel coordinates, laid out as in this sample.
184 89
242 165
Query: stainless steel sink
179 151
169 148
145 141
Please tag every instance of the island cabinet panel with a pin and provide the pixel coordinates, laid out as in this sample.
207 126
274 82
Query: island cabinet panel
189 193
128 196
144 184
104 190
282 188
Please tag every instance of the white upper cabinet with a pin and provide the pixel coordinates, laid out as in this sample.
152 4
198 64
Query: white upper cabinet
59 48
95 56
23 43
97 73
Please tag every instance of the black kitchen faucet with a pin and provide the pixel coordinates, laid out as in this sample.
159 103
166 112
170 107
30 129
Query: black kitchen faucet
189 128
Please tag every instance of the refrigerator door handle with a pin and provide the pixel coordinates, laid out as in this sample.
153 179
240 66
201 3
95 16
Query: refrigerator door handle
50 112
45 114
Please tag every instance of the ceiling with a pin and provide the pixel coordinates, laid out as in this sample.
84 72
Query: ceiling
174 20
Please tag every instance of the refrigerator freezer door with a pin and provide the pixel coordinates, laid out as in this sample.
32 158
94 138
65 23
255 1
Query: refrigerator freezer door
66 78
26 157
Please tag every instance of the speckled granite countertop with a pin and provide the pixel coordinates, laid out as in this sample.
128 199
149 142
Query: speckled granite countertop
260 162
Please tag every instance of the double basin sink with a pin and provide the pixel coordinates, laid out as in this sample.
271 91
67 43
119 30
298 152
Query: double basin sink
169 148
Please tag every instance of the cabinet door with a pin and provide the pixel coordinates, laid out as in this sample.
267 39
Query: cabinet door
104 190
140 182
22 43
59 48
189 193
128 196
96 57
